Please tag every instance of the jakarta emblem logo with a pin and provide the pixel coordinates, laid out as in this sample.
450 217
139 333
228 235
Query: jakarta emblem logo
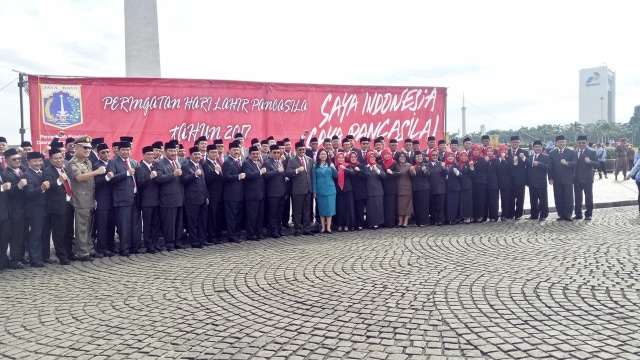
62 105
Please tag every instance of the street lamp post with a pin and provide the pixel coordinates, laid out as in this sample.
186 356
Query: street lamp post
601 107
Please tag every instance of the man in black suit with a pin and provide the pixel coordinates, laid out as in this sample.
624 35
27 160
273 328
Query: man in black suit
299 171
149 199
365 144
3 148
312 150
59 217
254 194
215 187
171 195
274 191
35 207
104 220
93 155
561 174
121 176
516 158
438 187
587 161
537 169
286 154
13 230
233 195
442 149
70 150
196 198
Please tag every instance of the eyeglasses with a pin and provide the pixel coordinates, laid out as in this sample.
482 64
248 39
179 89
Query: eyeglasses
87 147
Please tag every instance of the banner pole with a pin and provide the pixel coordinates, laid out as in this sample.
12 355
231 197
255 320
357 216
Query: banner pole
20 87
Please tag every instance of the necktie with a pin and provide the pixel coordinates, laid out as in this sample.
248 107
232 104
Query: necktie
67 187
581 153
174 165
4 163
258 165
238 163
197 167
20 173
561 152
304 163
220 160
150 167
535 157
126 163
40 173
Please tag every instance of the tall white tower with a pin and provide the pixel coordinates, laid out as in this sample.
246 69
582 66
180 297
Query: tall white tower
597 95
141 41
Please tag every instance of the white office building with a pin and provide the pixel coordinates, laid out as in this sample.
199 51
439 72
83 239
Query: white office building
597 95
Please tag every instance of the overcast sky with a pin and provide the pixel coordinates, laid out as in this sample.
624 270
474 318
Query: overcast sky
516 63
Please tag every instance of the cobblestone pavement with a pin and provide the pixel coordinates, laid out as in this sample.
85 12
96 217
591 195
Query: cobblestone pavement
496 290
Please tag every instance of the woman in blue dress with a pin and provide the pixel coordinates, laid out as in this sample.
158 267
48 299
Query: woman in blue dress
324 189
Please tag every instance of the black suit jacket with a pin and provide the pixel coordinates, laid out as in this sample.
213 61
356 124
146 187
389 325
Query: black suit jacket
16 196
35 205
374 180
103 195
301 183
122 184
253 182
56 194
537 175
148 189
584 171
274 185
195 187
559 173
215 181
518 172
171 190
420 181
437 178
233 187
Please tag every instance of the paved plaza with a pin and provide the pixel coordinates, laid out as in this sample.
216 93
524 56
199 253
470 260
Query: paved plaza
516 289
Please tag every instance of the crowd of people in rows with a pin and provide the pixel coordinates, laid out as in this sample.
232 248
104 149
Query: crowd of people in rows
83 192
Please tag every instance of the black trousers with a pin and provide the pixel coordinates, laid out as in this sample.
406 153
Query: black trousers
479 200
13 231
124 216
274 214
516 200
233 214
539 200
301 212
171 218
492 201
286 207
255 217
390 205
563 196
421 206
196 223
587 189
4 246
59 228
215 214
505 194
358 210
151 226
106 229
436 203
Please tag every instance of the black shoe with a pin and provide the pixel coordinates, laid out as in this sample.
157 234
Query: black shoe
234 240
568 219
124 253
196 246
494 220
587 218
309 233
577 218
86 258
252 238
108 253
37 265
543 218
532 218
179 247
559 218
97 255
517 218
169 249
16 266
297 233
73 257
151 251
65 262
275 236
50 261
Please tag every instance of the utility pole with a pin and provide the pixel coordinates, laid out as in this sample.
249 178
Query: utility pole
20 87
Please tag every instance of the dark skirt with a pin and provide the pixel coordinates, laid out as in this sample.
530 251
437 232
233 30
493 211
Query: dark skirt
453 206
390 203
466 204
479 200
375 210
344 209
421 206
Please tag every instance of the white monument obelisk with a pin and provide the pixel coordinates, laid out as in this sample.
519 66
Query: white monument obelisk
141 41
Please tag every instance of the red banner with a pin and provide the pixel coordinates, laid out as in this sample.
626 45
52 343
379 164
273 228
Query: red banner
163 109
